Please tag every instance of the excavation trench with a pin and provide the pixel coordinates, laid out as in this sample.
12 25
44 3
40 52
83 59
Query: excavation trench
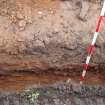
45 41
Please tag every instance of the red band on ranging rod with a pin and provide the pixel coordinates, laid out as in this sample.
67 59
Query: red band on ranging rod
81 78
85 66
99 22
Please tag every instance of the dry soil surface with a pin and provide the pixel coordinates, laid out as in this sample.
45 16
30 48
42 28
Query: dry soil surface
43 41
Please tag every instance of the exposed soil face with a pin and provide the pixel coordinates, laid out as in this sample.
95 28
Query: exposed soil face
49 37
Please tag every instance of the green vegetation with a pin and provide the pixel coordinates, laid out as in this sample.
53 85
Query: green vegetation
31 95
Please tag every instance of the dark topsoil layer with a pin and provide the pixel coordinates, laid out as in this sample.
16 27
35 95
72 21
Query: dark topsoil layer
63 93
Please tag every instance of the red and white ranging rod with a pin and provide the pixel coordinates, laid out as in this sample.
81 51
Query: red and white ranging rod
92 45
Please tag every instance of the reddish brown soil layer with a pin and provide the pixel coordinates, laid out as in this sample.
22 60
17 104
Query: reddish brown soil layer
20 81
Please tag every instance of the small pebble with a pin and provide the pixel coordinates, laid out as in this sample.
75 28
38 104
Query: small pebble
40 12
19 15
22 23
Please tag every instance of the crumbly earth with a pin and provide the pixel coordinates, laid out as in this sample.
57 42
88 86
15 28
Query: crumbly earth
45 41
49 38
